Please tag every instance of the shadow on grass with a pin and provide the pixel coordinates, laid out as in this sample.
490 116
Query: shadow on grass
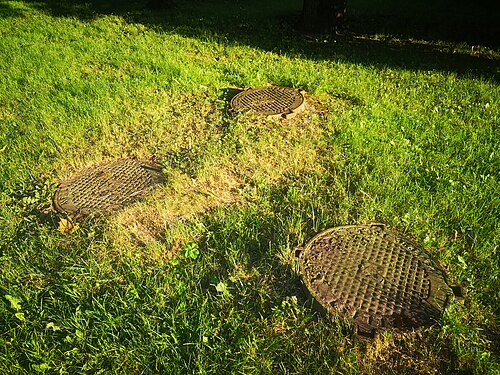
7 11
413 45
247 258
257 296
239 305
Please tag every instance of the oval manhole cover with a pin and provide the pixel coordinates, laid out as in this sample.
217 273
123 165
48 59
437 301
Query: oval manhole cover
374 277
107 187
275 101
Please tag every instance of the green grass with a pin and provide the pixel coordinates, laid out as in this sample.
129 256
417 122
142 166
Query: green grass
401 127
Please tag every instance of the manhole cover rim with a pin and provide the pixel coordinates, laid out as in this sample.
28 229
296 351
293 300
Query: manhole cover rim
156 176
439 290
287 110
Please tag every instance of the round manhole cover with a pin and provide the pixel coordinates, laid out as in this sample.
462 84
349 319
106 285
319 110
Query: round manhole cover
374 277
107 187
276 101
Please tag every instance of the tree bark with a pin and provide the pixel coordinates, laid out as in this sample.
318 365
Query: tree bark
325 16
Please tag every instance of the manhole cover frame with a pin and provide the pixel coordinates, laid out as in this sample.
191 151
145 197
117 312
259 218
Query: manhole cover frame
104 180
365 323
267 96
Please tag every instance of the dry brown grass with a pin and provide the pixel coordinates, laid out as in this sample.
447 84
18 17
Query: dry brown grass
424 351
267 150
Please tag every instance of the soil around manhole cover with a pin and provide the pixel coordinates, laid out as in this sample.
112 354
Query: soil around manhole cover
375 277
273 101
107 187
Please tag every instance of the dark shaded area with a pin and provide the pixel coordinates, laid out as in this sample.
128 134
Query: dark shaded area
414 30
474 23
323 16
160 4
88 9
7 11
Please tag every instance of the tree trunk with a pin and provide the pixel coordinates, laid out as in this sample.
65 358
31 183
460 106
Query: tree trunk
323 16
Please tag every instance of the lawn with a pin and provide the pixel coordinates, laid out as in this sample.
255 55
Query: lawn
401 127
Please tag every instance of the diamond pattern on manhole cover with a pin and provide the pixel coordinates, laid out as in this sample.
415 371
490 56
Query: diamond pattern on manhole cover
107 187
275 101
374 277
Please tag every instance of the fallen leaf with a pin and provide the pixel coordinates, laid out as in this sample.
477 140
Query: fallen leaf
67 226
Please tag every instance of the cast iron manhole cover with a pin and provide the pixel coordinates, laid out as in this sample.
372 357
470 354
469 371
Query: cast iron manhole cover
108 187
374 277
276 101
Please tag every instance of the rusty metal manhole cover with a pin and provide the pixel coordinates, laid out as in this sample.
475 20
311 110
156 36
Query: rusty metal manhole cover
107 187
374 277
275 101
